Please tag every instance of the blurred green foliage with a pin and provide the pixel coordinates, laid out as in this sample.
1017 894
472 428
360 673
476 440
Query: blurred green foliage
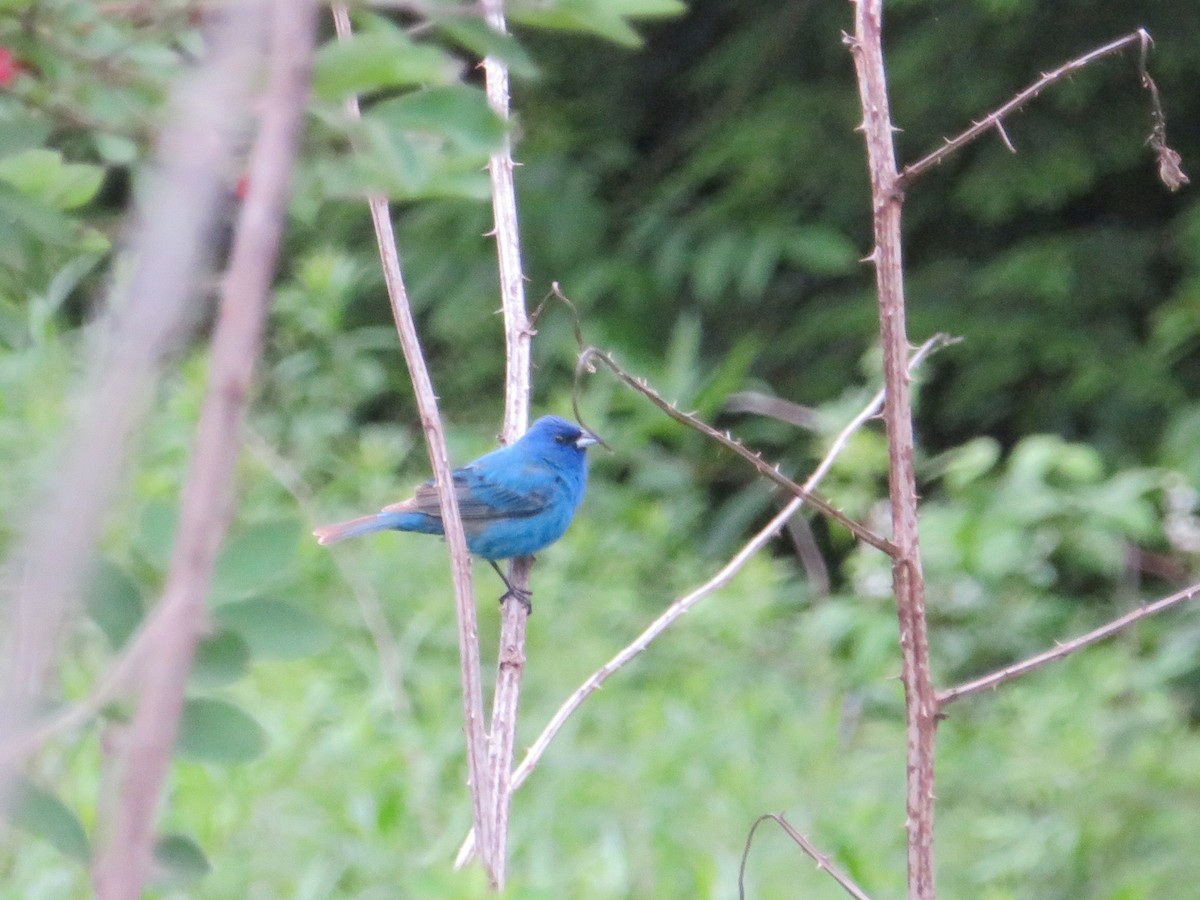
702 199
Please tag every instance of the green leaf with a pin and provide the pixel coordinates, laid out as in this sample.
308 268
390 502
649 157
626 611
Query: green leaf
221 658
821 250
644 9
604 18
37 811
67 279
156 533
458 113
274 628
42 173
381 59
477 36
971 461
255 557
115 603
21 130
115 149
180 860
21 214
217 731
579 17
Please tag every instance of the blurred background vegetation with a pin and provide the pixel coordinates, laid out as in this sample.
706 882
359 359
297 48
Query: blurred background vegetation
702 198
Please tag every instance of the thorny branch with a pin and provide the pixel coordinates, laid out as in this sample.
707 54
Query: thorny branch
997 678
908 583
518 333
1169 169
592 355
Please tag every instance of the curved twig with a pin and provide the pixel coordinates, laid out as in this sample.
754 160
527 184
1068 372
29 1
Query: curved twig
804 844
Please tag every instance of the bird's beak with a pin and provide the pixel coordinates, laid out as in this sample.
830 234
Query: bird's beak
586 439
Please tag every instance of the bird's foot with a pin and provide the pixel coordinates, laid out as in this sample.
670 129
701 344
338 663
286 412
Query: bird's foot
521 595
525 598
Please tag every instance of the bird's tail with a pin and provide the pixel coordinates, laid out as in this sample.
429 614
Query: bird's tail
339 531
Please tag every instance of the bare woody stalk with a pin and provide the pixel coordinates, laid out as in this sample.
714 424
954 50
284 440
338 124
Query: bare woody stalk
439 459
680 606
907 579
123 863
518 333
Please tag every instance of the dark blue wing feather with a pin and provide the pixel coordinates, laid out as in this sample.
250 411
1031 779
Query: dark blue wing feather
483 495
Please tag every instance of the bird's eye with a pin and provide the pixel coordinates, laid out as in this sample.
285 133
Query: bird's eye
560 438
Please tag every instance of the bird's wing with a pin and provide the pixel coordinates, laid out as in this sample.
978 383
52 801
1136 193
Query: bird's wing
481 497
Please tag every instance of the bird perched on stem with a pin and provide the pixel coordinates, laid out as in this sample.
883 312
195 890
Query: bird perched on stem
513 501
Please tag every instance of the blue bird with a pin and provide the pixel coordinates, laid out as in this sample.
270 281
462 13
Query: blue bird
513 501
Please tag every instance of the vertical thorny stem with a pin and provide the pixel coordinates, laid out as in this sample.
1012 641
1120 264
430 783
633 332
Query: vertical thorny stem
908 583
510 663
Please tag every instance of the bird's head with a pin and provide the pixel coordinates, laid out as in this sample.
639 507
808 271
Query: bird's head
557 438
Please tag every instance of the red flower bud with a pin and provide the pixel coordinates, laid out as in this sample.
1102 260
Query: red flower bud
10 67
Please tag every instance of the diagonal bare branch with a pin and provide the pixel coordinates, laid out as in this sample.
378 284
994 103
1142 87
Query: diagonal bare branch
1169 161
1008 673
592 355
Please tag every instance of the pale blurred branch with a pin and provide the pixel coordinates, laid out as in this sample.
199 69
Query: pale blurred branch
123 860
146 318
760 404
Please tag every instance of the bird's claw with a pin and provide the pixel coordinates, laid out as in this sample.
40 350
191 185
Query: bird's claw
525 598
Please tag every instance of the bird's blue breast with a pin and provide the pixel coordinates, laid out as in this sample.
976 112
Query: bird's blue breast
505 538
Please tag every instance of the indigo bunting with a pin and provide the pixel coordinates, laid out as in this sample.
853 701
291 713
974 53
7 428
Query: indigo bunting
513 501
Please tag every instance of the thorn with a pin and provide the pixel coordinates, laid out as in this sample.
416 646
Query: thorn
1004 136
